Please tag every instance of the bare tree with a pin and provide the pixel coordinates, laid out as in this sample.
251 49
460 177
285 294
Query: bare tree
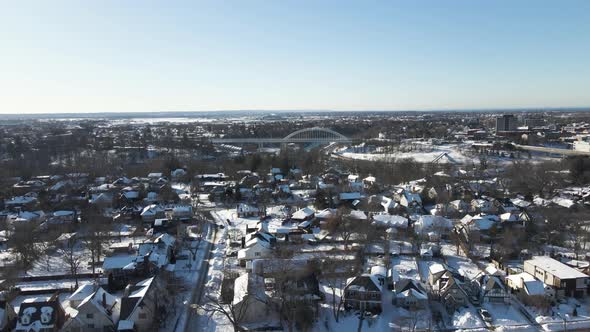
72 257
22 241
94 240
233 312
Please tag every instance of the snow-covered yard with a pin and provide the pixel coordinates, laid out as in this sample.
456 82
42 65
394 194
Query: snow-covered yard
562 316
508 317
468 318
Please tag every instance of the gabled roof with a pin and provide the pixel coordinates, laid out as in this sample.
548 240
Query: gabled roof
96 299
364 283
492 283
408 284
136 294
303 214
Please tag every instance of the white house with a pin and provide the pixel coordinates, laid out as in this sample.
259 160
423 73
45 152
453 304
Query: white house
140 305
256 245
97 312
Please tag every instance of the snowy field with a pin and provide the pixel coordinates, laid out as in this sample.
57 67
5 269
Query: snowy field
424 152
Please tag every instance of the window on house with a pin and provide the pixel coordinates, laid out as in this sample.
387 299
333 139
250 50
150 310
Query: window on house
142 315
90 316
257 254
90 326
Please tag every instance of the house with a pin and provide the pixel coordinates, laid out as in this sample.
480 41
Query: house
433 226
143 305
493 290
64 216
151 212
159 251
256 245
409 294
411 201
364 292
250 300
178 173
246 211
389 205
528 288
483 205
291 282
97 312
325 216
459 205
101 199
40 314
566 280
390 221
435 272
447 289
8 316
182 212
80 294
305 214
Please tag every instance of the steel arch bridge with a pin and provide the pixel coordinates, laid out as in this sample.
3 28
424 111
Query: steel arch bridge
307 135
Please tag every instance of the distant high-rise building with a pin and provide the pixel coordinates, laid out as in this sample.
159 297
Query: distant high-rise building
534 122
506 122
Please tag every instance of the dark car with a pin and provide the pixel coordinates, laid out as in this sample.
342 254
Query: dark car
485 315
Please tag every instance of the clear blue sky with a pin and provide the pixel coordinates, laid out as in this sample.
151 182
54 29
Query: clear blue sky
101 56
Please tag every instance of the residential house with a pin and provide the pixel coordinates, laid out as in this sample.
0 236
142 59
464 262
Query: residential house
247 211
566 280
305 214
435 227
143 306
493 290
364 292
41 314
411 201
528 288
448 289
409 294
151 212
256 245
97 312
250 301
8 316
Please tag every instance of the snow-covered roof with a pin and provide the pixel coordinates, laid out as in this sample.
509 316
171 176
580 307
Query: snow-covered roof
412 293
82 292
390 220
426 223
63 213
350 196
303 214
555 267
520 202
564 202
379 270
358 215
326 213
118 262
436 268
151 209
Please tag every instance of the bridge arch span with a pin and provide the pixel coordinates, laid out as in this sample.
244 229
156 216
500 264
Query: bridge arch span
316 132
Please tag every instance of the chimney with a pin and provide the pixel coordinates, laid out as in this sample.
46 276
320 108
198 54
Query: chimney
243 242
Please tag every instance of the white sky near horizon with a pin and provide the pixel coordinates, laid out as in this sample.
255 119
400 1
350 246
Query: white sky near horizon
112 56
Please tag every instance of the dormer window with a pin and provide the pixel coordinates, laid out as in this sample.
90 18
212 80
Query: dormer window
25 320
